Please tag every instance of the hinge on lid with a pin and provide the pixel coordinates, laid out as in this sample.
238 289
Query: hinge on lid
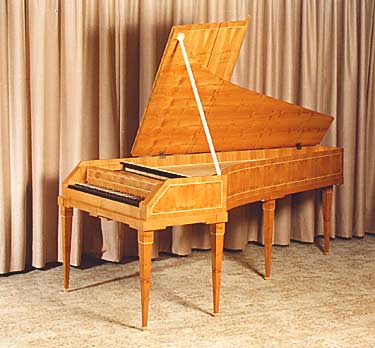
162 154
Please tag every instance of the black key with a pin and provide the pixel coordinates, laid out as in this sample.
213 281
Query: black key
145 171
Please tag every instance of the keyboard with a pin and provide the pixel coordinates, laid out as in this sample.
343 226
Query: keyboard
121 197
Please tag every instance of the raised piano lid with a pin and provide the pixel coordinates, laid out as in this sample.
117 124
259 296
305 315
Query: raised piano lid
238 118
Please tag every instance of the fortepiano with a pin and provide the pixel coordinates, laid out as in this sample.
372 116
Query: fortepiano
204 146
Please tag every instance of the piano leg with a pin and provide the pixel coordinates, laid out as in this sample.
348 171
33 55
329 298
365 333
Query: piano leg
327 207
217 242
268 222
66 225
145 241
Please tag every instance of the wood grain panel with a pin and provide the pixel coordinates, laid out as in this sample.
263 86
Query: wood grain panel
239 119
252 181
194 197
188 195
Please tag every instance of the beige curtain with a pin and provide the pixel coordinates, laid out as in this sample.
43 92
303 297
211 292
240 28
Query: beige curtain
75 77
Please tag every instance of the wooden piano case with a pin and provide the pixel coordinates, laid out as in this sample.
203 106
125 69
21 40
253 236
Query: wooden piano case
266 149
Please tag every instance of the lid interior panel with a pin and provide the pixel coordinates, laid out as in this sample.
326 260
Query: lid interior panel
238 118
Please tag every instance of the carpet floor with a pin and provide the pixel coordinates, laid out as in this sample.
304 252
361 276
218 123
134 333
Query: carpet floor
311 301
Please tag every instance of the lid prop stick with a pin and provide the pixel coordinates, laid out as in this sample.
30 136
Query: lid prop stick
180 39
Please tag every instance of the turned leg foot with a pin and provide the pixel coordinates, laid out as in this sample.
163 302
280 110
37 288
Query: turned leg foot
327 208
145 241
66 227
217 242
268 223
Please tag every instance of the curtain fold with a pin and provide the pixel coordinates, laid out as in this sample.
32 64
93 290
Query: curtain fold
5 196
370 127
15 115
43 66
75 77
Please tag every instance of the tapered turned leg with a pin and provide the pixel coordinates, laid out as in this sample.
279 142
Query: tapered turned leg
268 222
66 226
145 240
327 207
217 242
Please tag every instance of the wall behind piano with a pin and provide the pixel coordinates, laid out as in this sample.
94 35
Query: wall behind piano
76 75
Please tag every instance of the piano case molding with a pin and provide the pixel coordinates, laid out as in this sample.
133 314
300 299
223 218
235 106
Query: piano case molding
266 149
